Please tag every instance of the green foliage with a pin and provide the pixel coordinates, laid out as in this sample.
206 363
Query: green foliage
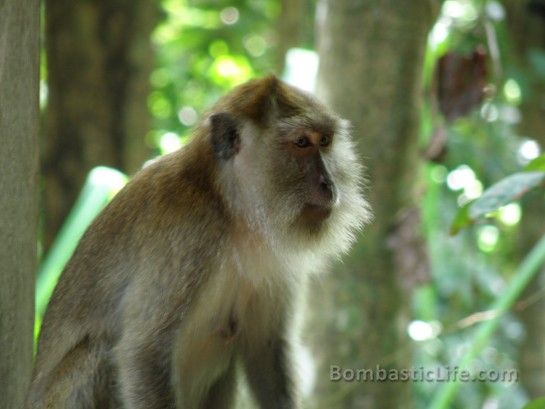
526 271
536 404
505 191
473 270
203 49
538 164
461 220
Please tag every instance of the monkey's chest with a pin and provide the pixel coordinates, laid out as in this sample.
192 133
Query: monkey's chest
235 311
241 305
231 315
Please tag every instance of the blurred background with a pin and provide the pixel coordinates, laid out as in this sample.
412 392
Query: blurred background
447 101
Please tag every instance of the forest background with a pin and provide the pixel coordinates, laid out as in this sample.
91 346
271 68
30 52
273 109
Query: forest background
447 102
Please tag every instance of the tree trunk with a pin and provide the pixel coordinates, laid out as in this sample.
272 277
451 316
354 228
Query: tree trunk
290 29
371 58
99 60
19 67
527 32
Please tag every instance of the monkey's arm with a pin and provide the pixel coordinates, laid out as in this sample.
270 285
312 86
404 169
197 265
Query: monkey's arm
143 353
144 370
268 373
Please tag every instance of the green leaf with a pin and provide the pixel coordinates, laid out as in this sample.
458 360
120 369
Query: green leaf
505 191
538 164
461 220
536 404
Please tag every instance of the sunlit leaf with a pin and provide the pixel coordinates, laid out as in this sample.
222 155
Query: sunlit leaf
505 191
536 404
231 69
159 105
461 220
500 194
538 164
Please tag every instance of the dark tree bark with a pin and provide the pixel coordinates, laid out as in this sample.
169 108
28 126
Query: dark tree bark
19 105
99 59
526 24
290 29
371 58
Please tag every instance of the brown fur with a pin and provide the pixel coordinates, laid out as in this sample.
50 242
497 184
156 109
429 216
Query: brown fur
178 279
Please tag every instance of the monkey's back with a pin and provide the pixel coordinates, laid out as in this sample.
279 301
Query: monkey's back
163 217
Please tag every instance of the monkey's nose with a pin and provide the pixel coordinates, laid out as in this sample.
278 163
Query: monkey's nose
326 187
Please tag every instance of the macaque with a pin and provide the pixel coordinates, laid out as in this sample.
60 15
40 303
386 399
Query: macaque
190 274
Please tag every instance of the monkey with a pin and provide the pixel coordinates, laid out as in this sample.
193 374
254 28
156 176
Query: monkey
189 275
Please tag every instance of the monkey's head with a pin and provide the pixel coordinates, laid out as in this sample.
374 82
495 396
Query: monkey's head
287 167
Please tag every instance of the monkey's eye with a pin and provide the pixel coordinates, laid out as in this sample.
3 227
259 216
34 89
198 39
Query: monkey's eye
325 140
302 142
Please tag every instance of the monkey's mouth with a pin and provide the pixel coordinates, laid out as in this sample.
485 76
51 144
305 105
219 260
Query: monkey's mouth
316 213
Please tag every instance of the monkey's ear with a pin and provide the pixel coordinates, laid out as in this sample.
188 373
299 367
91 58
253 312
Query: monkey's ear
224 135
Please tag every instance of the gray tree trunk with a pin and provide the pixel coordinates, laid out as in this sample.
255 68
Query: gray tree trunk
290 29
19 106
99 59
371 58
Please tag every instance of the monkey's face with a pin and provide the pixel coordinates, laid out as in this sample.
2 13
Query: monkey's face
300 184
288 168
302 174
